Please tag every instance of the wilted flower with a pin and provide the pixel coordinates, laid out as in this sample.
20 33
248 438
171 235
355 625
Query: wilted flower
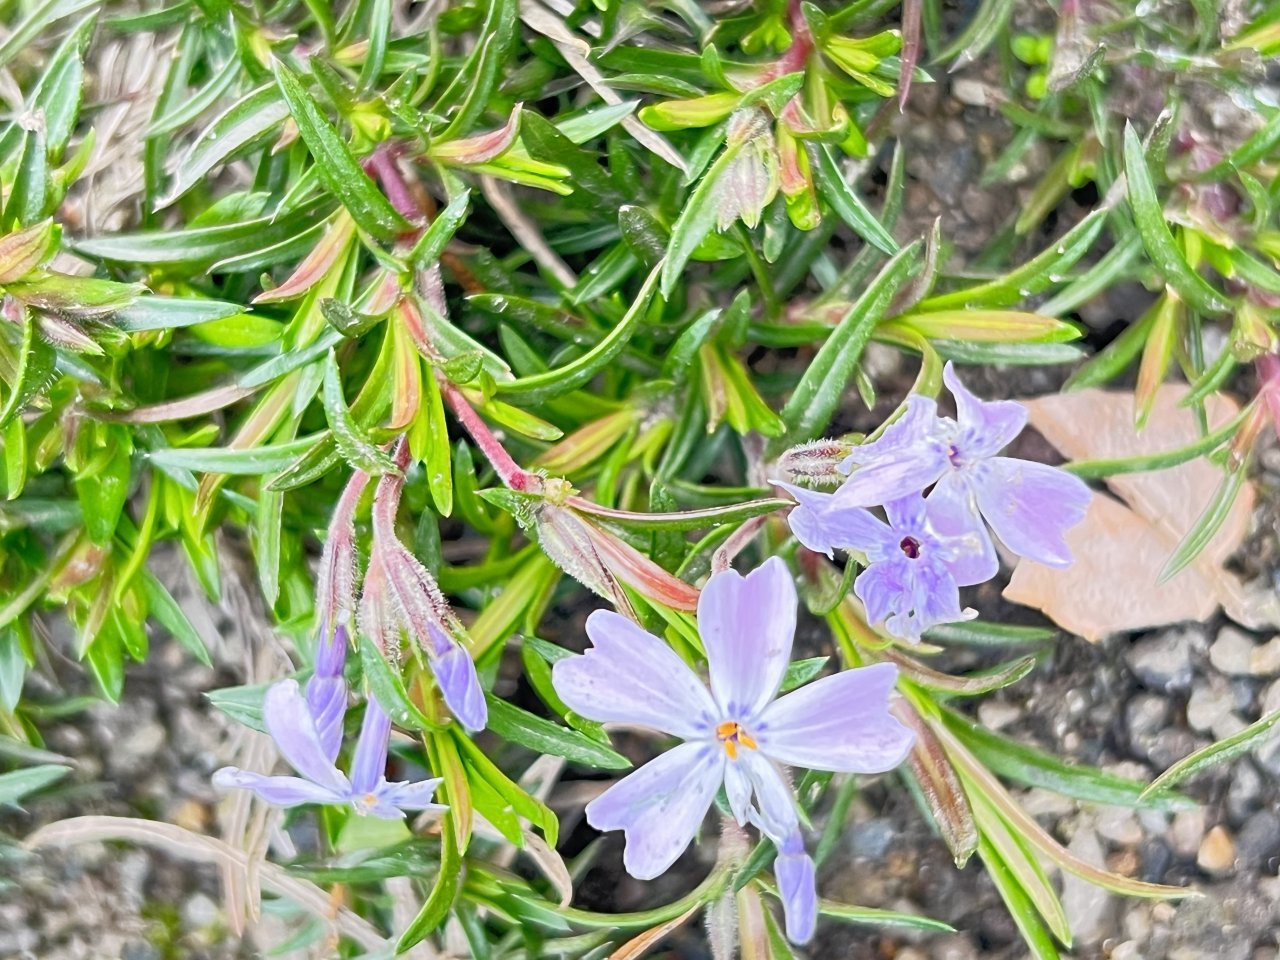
302 741
913 574
735 734
1029 505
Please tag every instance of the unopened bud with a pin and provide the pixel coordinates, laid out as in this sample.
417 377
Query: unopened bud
816 462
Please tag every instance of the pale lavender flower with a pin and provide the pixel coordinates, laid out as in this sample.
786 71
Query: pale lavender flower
298 736
1029 505
913 573
736 734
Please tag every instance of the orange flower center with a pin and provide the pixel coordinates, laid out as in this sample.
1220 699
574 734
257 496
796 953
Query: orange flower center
731 736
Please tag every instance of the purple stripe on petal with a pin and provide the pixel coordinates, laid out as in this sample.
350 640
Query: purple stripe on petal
455 674
280 791
660 806
839 723
747 625
798 889
917 424
369 762
289 721
630 676
895 475
1030 506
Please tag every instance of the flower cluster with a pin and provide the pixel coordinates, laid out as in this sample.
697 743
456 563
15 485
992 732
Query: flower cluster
933 545
398 596
738 734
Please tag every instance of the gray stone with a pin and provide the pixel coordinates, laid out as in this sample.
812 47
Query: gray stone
1187 831
1231 652
1088 907
1259 839
1163 662
1265 659
1210 702
1245 792
1146 715
872 839
199 912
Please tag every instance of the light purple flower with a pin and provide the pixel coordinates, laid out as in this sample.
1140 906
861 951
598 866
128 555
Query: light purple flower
913 576
736 734
1029 505
296 731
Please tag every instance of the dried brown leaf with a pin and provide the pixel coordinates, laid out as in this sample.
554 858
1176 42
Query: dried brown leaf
1122 544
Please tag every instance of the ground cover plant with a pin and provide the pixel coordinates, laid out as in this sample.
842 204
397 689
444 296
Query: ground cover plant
616 473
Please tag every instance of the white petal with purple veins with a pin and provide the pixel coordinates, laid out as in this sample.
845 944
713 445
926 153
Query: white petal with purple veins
660 806
630 676
839 723
747 625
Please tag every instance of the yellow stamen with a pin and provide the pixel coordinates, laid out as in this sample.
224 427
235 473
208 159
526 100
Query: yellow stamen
732 736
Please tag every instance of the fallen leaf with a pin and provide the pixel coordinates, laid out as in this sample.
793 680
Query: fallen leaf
1120 547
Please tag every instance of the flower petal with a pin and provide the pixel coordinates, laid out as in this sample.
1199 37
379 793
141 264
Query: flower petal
280 791
774 810
917 424
630 676
1031 506
798 889
455 674
909 595
909 456
327 702
289 721
840 723
660 806
986 426
369 762
822 524
961 534
747 625
412 795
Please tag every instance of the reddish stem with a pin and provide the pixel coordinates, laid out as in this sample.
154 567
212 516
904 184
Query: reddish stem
382 164
512 475
386 498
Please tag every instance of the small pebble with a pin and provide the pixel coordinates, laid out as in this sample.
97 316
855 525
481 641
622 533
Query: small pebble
1217 853
1163 662
1232 652
1264 661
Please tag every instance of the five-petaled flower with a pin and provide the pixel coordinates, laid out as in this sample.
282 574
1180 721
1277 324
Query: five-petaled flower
736 734
913 575
1029 505
305 740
